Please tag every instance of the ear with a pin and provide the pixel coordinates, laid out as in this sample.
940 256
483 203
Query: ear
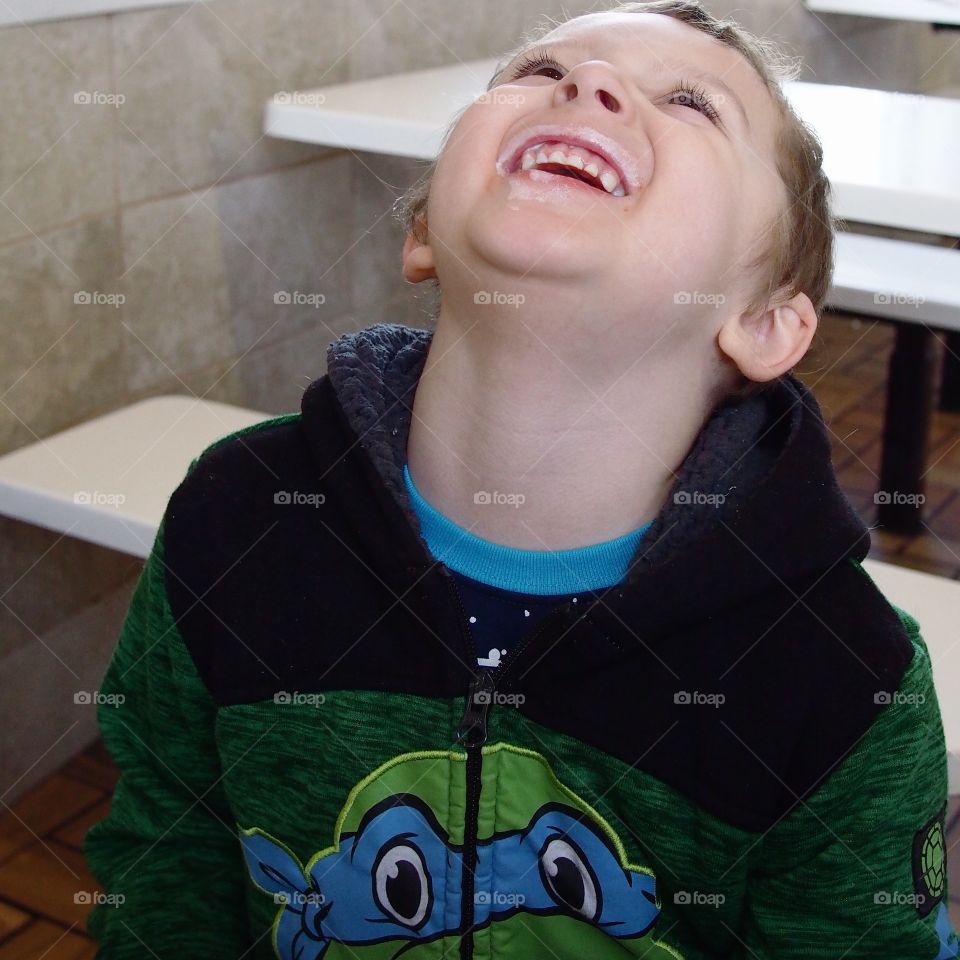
418 262
766 344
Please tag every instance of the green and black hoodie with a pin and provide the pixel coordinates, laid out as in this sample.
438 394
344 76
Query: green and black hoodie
735 752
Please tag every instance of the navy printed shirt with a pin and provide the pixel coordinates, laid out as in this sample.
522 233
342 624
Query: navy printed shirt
507 591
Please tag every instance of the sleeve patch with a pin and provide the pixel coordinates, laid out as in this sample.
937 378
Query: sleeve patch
930 863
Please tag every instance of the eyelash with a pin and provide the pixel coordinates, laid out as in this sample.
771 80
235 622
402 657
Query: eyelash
695 93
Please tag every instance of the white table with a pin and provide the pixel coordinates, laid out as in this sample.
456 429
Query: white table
108 480
925 11
934 602
892 158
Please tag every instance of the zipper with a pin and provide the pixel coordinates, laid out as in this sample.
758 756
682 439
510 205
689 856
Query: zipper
472 734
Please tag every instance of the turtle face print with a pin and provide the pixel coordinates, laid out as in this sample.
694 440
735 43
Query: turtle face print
393 878
386 882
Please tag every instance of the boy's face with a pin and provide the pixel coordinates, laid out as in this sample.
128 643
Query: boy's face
661 254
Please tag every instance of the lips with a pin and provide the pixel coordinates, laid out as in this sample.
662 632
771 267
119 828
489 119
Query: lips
589 138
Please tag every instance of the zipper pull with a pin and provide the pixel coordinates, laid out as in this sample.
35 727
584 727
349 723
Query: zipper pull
473 727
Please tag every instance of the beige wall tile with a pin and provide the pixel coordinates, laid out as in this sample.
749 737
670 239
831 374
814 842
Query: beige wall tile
286 235
176 312
41 726
389 37
33 563
196 79
61 359
275 375
57 157
375 260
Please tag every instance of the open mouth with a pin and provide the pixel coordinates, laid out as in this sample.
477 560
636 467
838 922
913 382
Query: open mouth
572 160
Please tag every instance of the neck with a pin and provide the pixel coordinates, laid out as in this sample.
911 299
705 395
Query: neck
588 455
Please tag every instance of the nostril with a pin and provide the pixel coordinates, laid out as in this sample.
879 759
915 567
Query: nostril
609 101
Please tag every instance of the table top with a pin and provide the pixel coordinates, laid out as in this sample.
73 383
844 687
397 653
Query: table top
871 138
925 11
934 602
108 480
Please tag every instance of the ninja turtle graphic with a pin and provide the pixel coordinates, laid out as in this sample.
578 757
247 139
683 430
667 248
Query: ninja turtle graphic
551 876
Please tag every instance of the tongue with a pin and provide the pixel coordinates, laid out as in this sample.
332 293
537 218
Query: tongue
564 171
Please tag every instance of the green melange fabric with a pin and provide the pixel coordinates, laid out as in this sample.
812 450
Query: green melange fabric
833 872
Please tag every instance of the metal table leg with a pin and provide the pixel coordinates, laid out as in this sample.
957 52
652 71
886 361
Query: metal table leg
906 429
950 376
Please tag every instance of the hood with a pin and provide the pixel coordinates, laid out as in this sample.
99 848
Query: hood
782 517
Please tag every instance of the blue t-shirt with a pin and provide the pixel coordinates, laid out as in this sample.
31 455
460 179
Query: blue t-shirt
507 591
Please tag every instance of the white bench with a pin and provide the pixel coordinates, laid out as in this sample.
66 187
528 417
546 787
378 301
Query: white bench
108 480
934 602
917 288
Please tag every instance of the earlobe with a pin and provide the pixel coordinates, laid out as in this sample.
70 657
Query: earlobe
768 344
418 262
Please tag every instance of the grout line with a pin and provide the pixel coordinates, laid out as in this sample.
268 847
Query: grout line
105 212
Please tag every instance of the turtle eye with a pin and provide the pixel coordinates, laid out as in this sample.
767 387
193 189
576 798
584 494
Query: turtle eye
569 879
401 884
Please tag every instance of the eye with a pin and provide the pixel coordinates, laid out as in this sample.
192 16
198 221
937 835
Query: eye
693 95
569 879
537 59
401 885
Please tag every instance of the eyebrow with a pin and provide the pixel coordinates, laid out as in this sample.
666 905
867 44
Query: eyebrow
687 70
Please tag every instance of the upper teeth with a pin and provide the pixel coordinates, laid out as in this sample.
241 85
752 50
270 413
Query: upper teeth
577 157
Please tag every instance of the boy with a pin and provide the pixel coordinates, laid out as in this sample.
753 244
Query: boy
544 635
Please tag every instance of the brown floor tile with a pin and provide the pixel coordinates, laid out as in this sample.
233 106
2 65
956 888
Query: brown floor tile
945 519
42 809
72 834
45 879
11 919
93 769
49 941
861 473
885 545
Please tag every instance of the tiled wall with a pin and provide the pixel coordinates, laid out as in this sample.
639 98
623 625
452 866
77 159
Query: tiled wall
174 201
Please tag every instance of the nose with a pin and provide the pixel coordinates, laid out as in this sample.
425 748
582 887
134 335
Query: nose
592 82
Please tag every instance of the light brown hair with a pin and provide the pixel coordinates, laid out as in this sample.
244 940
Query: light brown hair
797 246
